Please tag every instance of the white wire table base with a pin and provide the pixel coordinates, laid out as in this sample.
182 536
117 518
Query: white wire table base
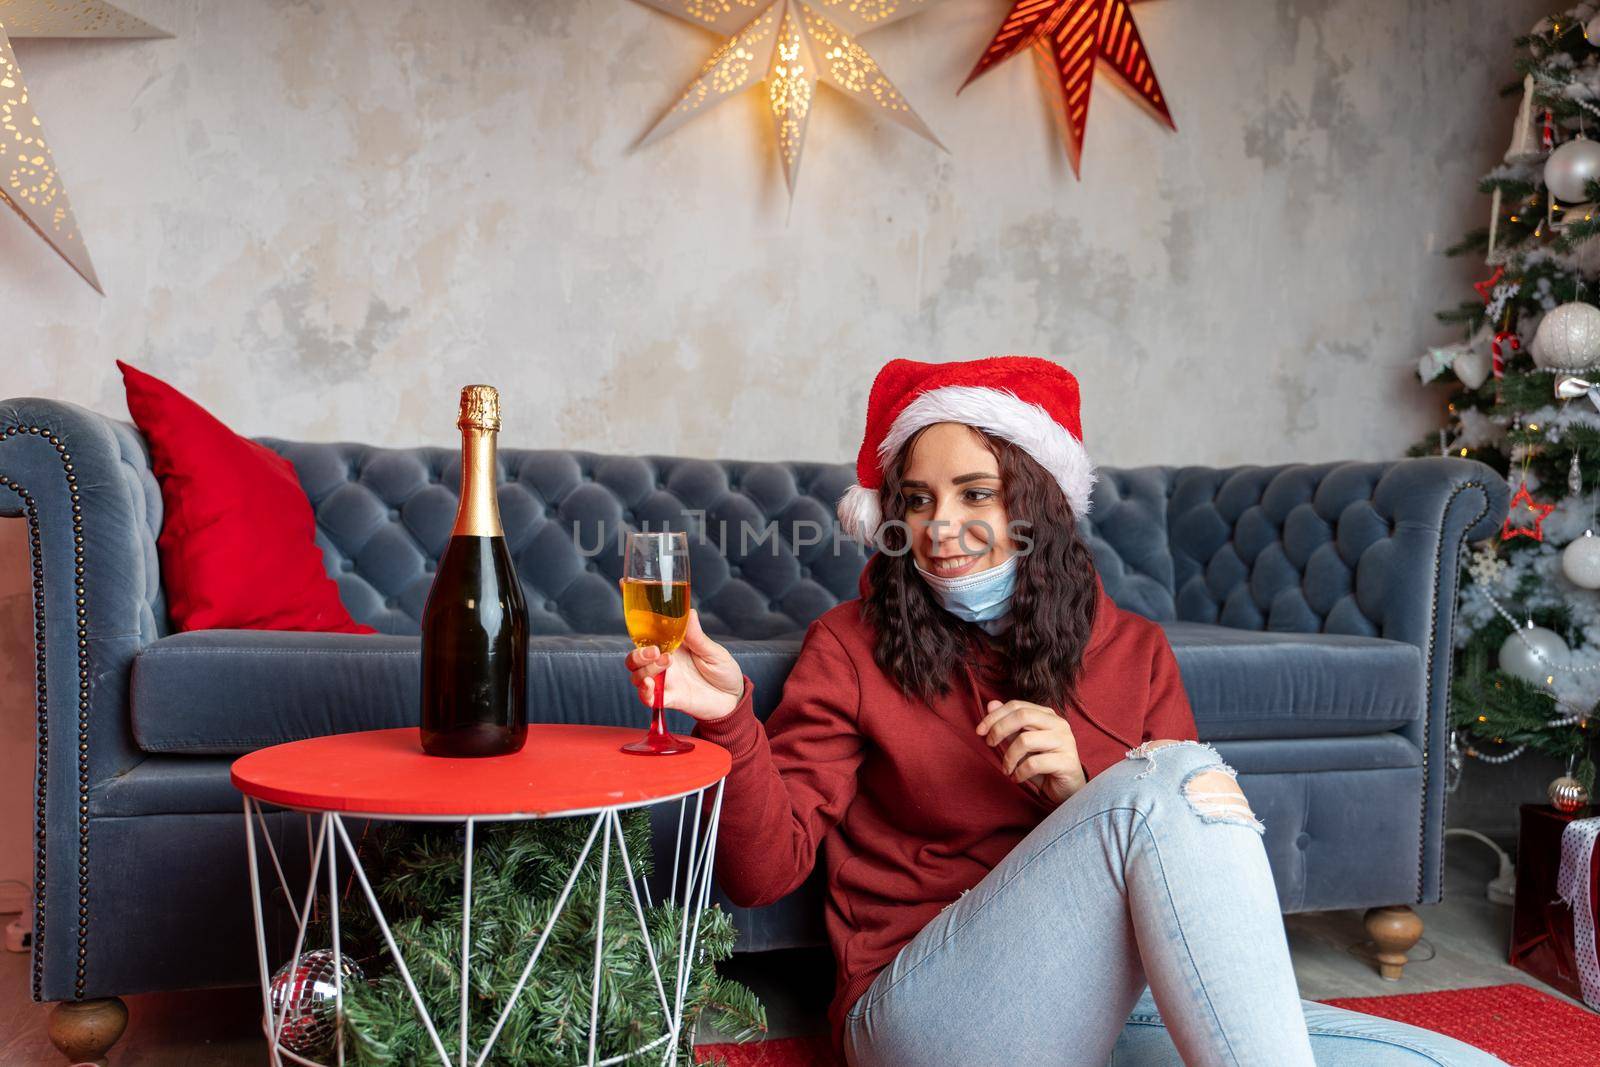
330 837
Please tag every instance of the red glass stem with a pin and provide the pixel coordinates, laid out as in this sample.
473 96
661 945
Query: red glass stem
658 718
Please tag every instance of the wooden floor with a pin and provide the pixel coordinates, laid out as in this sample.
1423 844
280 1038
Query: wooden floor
1467 935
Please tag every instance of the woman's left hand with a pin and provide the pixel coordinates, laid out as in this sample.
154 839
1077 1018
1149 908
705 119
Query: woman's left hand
1037 747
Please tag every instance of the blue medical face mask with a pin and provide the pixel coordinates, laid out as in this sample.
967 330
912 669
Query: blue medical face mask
983 597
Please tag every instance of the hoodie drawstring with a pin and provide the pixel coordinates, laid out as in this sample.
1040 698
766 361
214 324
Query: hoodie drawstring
978 703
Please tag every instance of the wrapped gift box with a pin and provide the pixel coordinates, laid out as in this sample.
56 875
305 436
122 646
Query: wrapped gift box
1541 923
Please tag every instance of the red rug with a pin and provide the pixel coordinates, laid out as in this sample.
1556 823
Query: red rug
1521 1025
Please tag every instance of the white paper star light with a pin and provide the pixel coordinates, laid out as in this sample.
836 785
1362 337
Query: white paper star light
72 18
29 182
791 45
28 179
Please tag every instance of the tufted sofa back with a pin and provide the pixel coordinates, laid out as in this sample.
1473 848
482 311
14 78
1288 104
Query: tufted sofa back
1307 548
767 556
1298 548
762 553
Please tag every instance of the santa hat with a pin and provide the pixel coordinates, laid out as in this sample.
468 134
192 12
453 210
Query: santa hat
1031 402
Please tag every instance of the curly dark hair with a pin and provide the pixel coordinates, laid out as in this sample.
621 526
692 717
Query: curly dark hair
921 646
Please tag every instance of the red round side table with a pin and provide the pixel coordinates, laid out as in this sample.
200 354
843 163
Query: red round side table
562 771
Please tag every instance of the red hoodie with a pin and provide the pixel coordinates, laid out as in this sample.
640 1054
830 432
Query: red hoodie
913 805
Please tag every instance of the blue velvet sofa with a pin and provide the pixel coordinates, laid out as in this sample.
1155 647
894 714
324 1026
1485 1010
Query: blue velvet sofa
1310 608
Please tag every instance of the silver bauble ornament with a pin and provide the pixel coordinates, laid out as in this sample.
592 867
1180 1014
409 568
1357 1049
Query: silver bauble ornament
1568 336
1571 167
1591 31
310 1021
1533 653
1580 561
1567 794
1472 366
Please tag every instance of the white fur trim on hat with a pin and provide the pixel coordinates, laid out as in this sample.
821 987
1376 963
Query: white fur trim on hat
859 513
1001 412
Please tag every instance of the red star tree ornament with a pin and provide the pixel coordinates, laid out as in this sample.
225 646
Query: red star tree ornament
1070 37
1485 288
1523 505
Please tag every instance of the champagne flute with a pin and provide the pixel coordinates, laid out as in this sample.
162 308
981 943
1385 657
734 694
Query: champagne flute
655 603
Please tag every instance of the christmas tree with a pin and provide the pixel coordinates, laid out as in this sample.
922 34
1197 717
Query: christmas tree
519 871
1525 399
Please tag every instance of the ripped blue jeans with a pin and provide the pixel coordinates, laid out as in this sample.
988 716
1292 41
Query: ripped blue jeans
1147 887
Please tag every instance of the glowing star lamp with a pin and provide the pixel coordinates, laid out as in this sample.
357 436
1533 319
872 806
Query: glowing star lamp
791 45
28 179
29 183
72 18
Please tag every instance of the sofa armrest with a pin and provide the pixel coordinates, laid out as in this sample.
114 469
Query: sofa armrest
84 486
1367 548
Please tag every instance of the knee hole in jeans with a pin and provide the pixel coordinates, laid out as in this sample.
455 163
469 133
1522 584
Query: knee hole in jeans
1211 788
1215 796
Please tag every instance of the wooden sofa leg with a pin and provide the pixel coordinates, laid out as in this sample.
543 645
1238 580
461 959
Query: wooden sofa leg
1394 930
85 1030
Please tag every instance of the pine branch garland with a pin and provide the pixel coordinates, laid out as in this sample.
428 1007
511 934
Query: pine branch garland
519 870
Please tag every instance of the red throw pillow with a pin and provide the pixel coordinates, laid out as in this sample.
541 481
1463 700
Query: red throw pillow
238 548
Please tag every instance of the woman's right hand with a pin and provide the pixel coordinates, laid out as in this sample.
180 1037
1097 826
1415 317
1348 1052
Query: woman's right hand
705 681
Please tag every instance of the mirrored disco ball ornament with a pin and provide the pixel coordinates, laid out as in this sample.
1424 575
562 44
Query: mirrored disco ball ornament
1580 561
1568 336
1532 654
306 984
1570 168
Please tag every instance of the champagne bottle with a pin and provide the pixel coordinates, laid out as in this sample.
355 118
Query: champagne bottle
475 623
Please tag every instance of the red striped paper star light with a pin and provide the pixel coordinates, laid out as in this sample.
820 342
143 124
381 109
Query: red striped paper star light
1070 37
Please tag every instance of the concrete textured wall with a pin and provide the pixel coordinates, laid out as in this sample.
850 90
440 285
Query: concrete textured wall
320 219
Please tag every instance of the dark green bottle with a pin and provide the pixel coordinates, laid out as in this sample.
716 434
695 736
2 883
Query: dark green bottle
475 623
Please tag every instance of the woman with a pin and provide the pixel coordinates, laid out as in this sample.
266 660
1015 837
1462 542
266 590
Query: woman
1022 831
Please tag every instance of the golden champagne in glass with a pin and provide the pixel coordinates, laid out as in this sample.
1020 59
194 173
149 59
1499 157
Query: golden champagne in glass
655 606
657 613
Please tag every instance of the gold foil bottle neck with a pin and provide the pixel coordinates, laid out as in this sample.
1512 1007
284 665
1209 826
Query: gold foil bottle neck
480 408
479 512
